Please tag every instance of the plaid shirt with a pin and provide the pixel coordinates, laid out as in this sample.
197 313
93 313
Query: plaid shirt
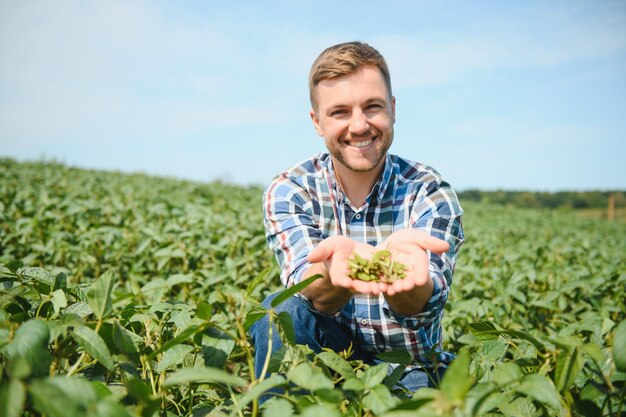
305 205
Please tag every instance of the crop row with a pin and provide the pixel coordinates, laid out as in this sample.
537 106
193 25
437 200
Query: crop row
132 295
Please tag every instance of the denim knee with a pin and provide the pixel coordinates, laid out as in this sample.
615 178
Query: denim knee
303 319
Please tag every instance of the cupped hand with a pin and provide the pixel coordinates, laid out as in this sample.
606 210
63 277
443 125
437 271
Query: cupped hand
409 247
335 252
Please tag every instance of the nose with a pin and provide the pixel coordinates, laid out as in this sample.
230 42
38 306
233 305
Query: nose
358 123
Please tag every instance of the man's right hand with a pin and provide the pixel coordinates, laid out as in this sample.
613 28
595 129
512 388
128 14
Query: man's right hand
334 252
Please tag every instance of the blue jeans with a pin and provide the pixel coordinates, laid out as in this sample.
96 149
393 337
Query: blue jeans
319 331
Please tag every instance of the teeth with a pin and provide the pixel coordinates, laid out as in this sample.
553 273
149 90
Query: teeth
361 144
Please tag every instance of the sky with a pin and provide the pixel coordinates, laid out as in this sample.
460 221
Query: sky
516 95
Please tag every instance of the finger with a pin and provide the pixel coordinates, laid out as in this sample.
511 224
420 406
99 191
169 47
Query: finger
365 250
364 287
403 285
431 243
415 238
338 274
322 251
436 245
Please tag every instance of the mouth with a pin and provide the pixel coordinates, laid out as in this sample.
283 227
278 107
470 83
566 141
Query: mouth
361 143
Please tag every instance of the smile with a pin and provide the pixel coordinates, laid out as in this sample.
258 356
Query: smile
361 144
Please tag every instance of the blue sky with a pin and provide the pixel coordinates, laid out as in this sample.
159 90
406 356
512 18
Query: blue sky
513 95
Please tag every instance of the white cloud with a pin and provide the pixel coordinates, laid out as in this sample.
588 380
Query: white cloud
541 38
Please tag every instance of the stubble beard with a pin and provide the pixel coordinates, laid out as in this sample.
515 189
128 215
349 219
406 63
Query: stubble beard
361 168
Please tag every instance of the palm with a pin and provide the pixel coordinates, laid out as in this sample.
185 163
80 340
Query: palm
335 253
409 247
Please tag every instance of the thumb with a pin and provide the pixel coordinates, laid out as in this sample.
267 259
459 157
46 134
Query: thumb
322 252
432 243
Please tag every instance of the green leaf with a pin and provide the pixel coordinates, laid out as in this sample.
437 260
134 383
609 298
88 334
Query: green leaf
60 282
99 295
43 280
619 346
63 396
204 310
12 398
81 309
177 279
181 337
173 356
125 340
374 375
256 391
59 300
260 278
392 379
142 393
31 344
330 395
336 363
216 347
256 313
540 388
379 399
401 357
483 398
19 368
317 410
203 375
309 377
278 407
353 384
568 366
594 351
457 380
286 325
485 330
285 294
110 408
520 407
94 346
507 373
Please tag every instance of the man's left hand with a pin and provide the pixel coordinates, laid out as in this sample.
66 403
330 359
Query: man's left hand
409 247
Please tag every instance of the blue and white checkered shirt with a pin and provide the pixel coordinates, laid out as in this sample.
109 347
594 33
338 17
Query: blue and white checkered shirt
305 205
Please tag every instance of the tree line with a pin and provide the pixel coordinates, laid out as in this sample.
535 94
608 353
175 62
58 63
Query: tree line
542 199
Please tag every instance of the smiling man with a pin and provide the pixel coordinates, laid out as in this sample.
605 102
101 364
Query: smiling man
358 198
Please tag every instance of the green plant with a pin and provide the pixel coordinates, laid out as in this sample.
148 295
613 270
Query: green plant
380 267
129 295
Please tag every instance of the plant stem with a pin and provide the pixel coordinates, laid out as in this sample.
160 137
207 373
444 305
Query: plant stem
73 368
266 365
246 347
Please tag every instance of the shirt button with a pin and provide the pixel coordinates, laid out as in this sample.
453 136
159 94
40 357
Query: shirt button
357 216
364 322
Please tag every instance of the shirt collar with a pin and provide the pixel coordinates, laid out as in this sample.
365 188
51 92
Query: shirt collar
380 187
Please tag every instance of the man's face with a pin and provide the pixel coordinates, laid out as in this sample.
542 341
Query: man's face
355 115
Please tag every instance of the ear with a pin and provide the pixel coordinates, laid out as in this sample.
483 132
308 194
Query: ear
393 109
316 122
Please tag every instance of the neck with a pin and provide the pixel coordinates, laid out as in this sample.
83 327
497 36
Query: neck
356 185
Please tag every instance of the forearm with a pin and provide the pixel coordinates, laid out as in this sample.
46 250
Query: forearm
325 297
408 303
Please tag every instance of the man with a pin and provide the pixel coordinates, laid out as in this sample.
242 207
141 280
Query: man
359 199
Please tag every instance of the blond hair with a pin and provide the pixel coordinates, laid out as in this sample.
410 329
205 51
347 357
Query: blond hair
343 59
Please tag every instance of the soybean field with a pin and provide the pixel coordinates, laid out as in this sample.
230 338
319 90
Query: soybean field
131 295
